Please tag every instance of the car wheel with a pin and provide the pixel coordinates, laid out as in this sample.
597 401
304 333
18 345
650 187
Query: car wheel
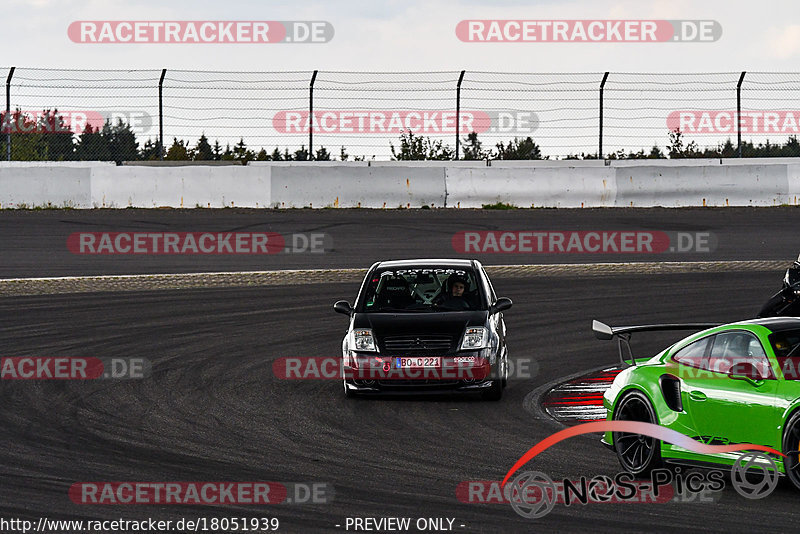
495 392
791 445
637 454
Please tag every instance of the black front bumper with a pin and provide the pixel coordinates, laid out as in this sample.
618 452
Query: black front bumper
415 387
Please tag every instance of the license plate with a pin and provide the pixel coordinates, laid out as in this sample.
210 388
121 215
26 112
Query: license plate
417 362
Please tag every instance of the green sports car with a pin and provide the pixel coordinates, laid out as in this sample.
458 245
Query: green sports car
727 384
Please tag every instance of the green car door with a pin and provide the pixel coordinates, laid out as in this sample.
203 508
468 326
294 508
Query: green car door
732 399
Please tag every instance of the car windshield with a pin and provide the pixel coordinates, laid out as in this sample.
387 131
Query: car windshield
786 345
423 289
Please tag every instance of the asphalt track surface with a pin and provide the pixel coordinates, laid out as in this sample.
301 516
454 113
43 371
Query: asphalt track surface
34 243
213 410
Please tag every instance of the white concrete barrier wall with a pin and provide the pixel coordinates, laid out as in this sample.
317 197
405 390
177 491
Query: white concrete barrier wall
181 187
669 183
793 177
298 186
528 187
720 185
45 186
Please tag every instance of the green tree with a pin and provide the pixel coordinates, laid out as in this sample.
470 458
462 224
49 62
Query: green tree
322 154
149 151
420 148
518 149
300 154
727 150
792 147
26 137
56 137
228 154
655 153
122 142
581 156
93 145
178 151
471 148
676 148
203 150
242 153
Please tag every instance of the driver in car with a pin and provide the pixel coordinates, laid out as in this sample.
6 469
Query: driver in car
458 289
456 299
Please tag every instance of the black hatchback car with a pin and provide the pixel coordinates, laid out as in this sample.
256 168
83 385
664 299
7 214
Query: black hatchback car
425 326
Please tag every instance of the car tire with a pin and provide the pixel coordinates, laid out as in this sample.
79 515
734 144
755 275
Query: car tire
494 392
348 393
791 444
637 454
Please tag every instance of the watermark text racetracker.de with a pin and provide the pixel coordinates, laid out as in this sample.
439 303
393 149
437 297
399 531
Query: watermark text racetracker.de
199 31
73 368
398 368
71 121
420 122
189 243
200 493
588 31
722 121
583 242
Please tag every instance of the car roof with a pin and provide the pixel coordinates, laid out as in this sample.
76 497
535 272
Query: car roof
776 324
425 263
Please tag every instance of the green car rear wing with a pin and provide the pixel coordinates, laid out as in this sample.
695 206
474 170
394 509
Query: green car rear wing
623 333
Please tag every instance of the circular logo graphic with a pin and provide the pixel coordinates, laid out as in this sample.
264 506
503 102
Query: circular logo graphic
763 475
532 494
601 488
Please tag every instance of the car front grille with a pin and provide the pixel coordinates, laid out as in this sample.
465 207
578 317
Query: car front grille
427 343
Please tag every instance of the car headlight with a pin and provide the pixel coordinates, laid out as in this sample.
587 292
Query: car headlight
475 337
363 340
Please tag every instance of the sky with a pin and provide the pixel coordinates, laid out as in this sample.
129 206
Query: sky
407 35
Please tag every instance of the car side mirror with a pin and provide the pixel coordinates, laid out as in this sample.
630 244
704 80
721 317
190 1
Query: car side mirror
502 304
343 306
746 371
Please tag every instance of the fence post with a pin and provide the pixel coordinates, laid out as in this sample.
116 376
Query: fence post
458 110
602 89
311 116
8 112
161 114
739 110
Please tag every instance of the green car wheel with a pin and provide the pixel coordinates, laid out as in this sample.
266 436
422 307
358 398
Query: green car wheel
791 444
638 454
